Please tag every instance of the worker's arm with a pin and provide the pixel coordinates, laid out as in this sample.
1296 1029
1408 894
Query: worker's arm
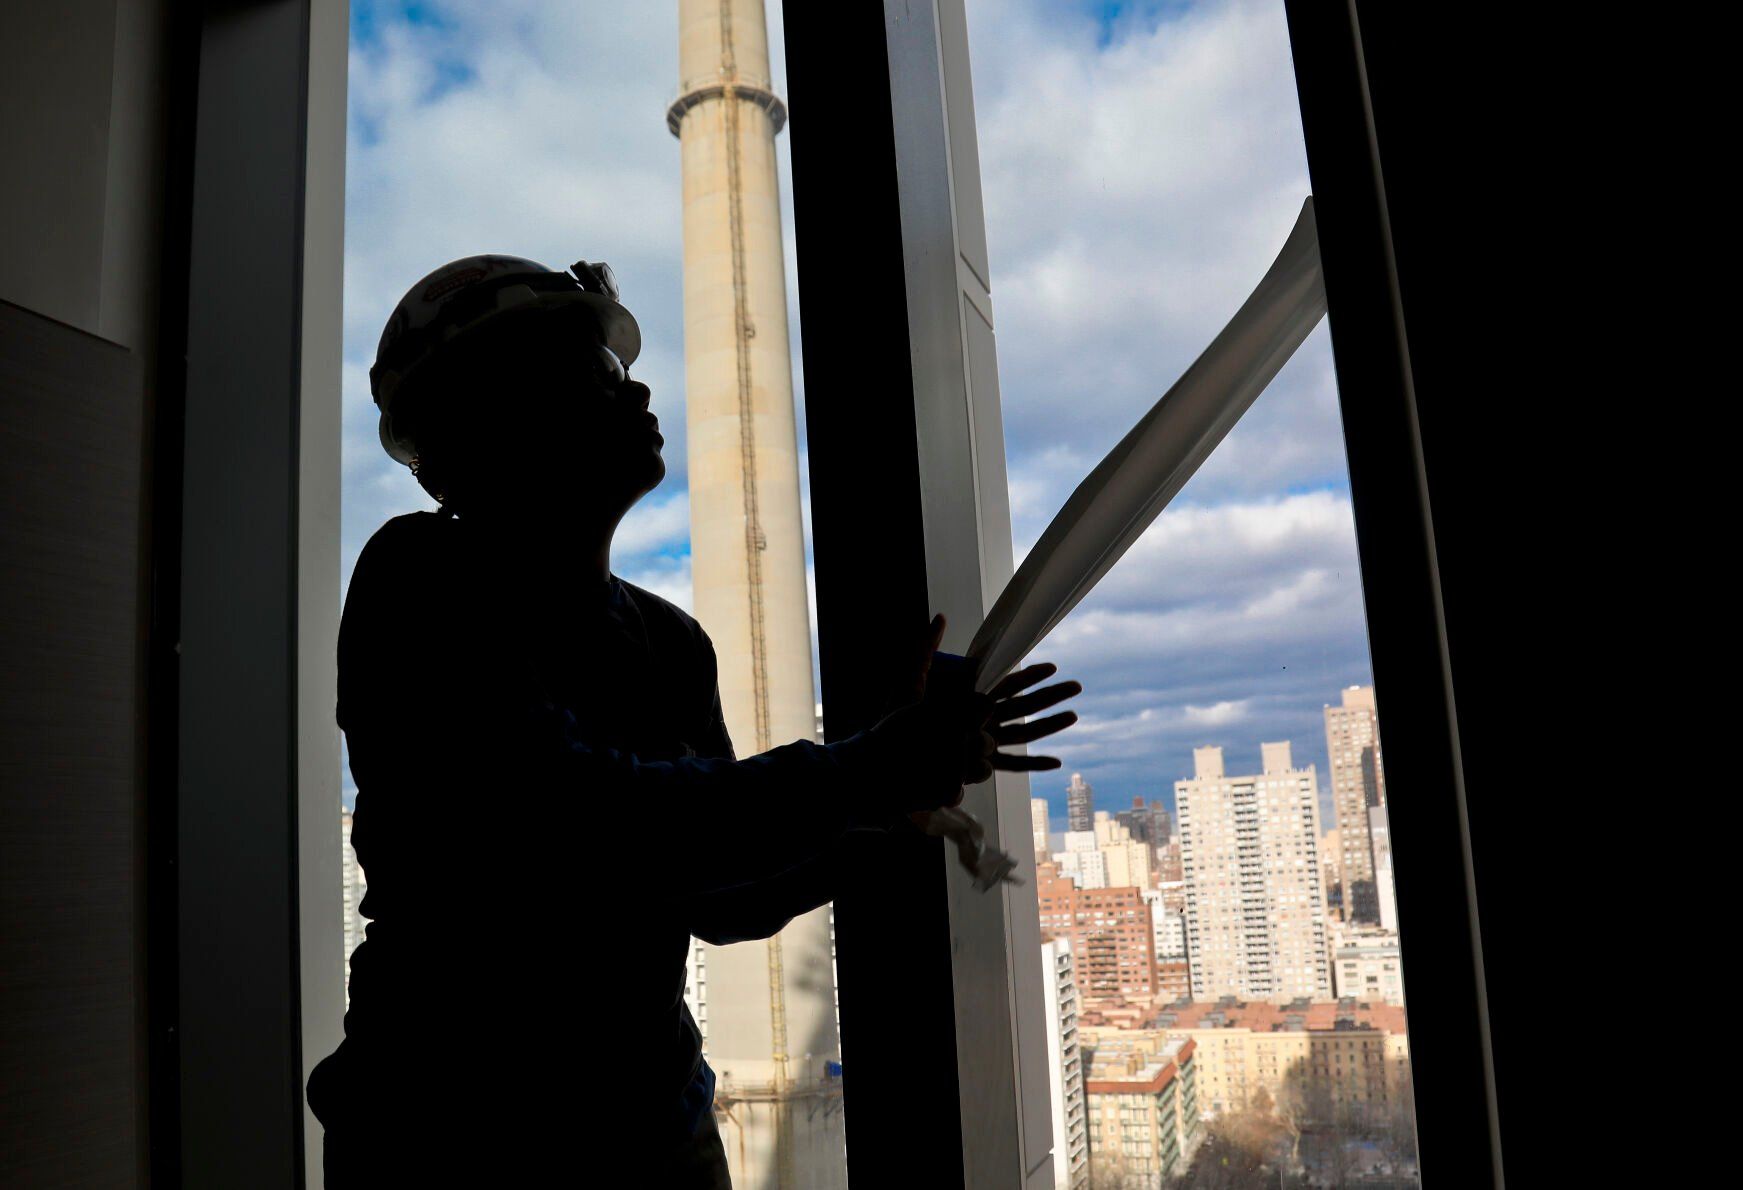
716 823
442 716
763 908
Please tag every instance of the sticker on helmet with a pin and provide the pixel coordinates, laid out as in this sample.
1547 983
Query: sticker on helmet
455 280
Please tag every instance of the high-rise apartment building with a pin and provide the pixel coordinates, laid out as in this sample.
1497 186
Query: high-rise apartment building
1168 925
1358 782
353 884
1168 928
1083 860
1366 965
1126 858
1255 909
1331 871
1144 1115
1040 824
1106 857
1112 940
696 986
1064 1065
1161 825
1079 804
1168 865
1385 889
1150 823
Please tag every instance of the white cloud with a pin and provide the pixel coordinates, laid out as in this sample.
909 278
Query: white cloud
653 526
1223 625
668 578
1219 714
1135 192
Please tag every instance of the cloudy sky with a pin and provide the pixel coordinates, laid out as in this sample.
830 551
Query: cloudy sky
1142 164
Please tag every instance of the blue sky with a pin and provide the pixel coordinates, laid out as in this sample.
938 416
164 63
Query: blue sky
1141 165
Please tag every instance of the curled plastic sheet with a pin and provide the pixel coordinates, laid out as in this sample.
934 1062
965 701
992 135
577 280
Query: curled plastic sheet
1131 486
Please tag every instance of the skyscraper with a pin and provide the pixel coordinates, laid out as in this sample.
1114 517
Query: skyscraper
1358 782
1079 804
1255 909
1150 824
771 1019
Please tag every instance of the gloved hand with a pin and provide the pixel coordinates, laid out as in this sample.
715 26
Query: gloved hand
949 735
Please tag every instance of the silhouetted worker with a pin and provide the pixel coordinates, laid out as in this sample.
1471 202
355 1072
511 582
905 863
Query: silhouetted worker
548 805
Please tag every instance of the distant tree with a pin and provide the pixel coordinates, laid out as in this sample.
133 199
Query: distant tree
1111 1169
1244 1150
1398 1131
1337 1135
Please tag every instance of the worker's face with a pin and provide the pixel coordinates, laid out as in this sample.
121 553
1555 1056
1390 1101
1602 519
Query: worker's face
588 441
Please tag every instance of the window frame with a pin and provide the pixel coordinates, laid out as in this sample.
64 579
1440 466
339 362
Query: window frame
246 990
246 1005
917 192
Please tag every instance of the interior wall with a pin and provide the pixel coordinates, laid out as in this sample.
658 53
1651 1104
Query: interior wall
82 129
55 104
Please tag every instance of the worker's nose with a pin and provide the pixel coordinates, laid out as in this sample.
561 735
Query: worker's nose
635 393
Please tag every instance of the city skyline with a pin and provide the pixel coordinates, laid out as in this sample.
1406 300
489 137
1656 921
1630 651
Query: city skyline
1243 754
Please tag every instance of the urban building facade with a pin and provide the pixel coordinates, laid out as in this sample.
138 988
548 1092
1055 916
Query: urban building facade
1331 874
1338 1057
1255 911
1040 825
1367 965
1144 1116
696 986
1358 781
1149 823
1079 804
1083 860
1109 930
353 885
1385 886
1070 1132
1126 857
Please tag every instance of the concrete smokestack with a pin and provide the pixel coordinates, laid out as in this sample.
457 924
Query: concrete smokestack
770 1009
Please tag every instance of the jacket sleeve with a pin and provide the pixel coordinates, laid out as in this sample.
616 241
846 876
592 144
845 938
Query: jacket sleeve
763 908
439 707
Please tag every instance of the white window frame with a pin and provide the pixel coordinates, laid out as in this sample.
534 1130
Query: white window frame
995 937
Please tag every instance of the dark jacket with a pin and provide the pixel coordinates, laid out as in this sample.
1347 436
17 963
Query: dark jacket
548 809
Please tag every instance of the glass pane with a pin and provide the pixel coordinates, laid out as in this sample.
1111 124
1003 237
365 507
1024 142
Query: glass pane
650 136
1221 946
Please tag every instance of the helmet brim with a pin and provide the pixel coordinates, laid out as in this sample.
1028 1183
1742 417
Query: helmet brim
622 334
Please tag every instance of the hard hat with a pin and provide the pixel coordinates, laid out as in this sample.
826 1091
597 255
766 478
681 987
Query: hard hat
465 294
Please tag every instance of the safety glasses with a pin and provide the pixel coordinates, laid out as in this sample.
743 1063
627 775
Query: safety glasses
603 368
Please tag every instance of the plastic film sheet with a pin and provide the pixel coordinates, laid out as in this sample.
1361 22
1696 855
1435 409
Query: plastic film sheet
1131 486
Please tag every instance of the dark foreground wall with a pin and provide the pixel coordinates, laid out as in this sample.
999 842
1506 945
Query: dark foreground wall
70 804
